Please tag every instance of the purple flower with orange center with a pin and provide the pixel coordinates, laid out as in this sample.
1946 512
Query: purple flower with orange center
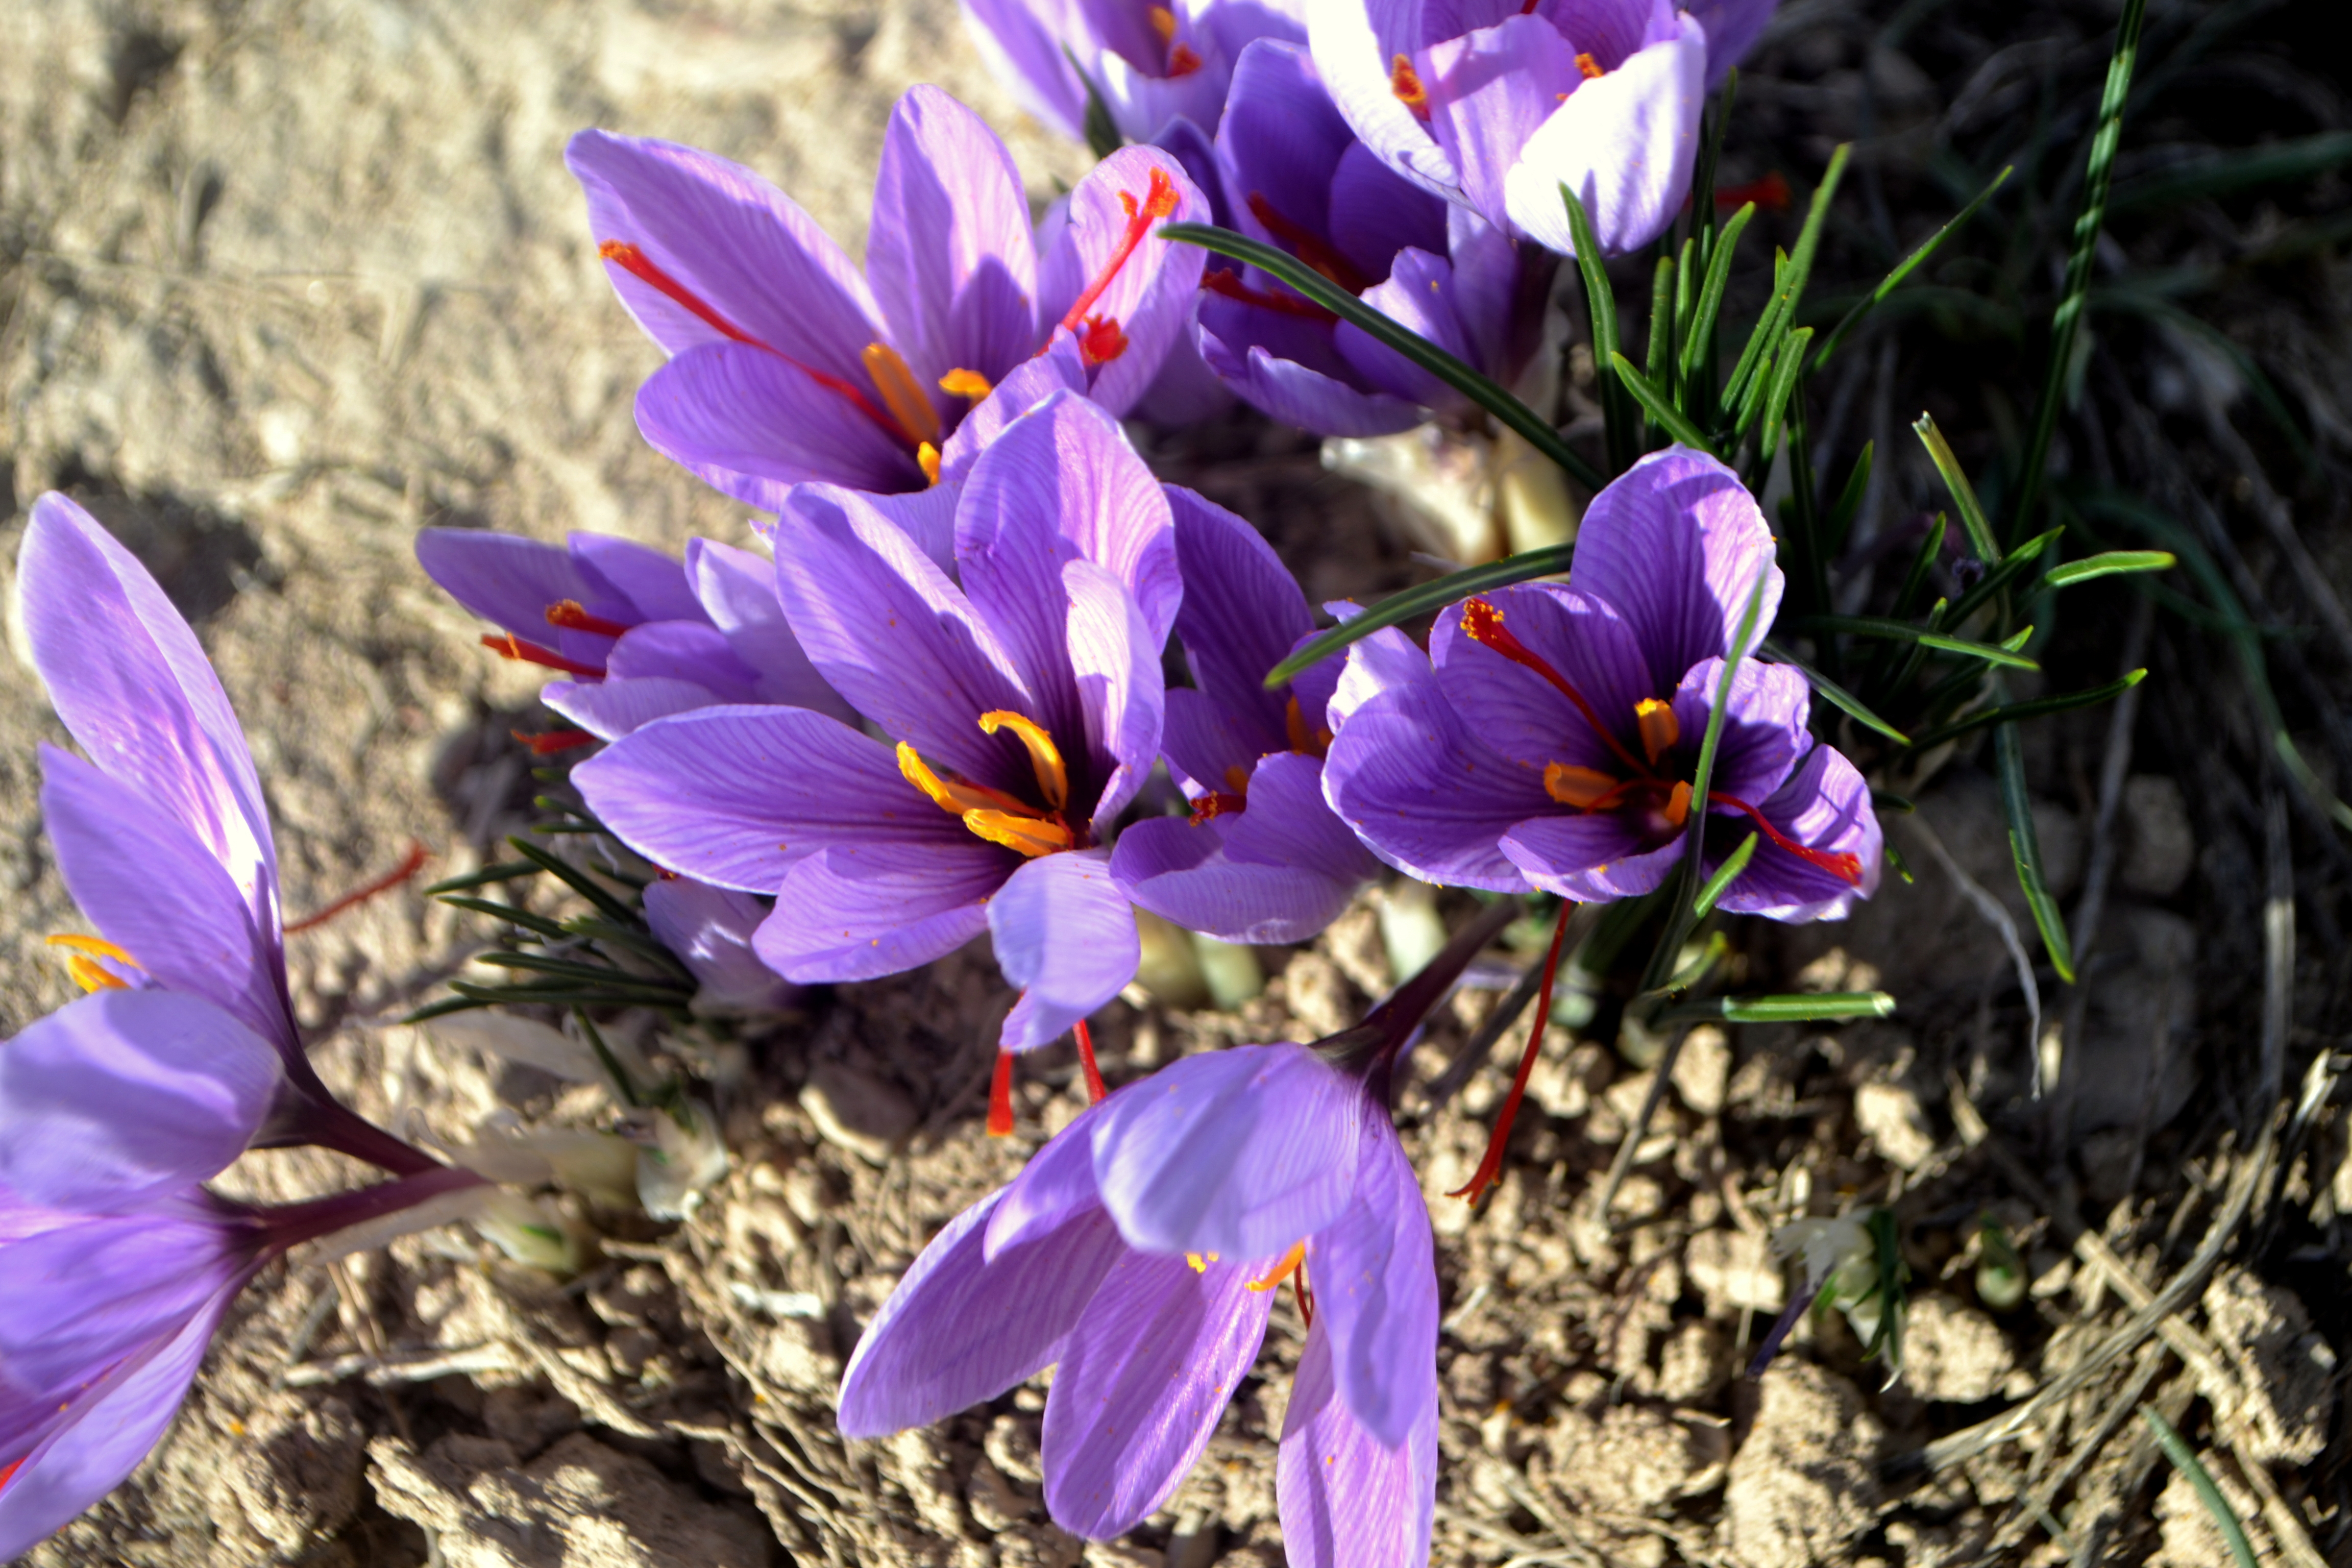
788 365
1151 62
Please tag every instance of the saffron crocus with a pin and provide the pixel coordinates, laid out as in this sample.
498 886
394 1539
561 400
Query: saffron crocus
1137 1255
711 929
636 634
1296 177
1020 712
1150 62
161 836
1262 859
1549 738
788 365
1498 106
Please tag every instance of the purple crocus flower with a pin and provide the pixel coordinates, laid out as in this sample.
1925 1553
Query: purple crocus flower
1151 62
1548 740
1262 859
1495 105
787 365
1020 711
711 929
1137 1254
162 837
1296 177
639 634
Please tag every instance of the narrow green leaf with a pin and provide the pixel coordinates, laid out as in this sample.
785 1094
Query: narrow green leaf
1659 406
1903 631
2041 707
504 872
2274 162
1849 502
1803 1008
1790 291
1661 322
2025 850
1724 876
2217 1507
611 1063
572 876
2111 563
1710 296
1601 305
1763 337
1908 265
1528 565
1931 545
1785 367
1837 696
586 973
1485 393
443 1008
2012 567
509 914
560 993
1964 494
636 939
1101 131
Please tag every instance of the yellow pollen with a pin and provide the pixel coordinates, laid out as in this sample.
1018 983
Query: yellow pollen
1677 810
958 796
1163 22
90 976
968 384
1030 836
902 394
1660 729
1591 67
1044 757
1283 1267
1315 743
1199 1263
1582 788
927 457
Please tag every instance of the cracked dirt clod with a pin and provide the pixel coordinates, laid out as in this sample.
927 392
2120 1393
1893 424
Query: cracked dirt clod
1802 1485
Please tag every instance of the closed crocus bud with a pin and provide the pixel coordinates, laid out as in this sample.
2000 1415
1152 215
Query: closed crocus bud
684 1156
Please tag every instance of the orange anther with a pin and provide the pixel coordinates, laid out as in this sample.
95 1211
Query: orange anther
927 458
1283 1267
1591 68
1405 82
1583 788
901 393
1315 743
1677 806
569 615
1044 757
1660 729
965 384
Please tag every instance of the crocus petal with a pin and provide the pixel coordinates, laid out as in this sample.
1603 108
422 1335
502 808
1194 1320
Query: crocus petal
1521 714
1375 213
1057 367
1824 805
738 591
858 912
609 710
1732 28
1674 545
1295 394
1278 871
651 582
127 678
1419 296
1115 660
950 254
1209 744
1056 1184
1625 143
961 1328
733 795
1151 294
1374 1274
1064 934
709 929
752 426
1280 142
682 651
1764 730
124 1096
154 890
1243 611
504 578
1590 857
1241 1152
1356 43
1347 1498
1490 92
1143 1377
1022 50
1384 661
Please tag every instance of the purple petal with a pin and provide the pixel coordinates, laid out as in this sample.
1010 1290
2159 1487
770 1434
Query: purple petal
1296 393
738 590
960 1327
1151 293
508 580
1374 1274
1241 1152
1064 934
734 242
156 892
1142 100
1056 1184
1386 660
1114 659
84 1294
1489 90
1057 367
1207 745
734 796
1356 43
1375 213
950 254
609 710
130 683
1522 715
1196 151
651 582
1825 805
1280 143
1243 614
709 929
1732 27
1592 857
1348 1500
683 650
858 912
752 425
1764 732
1419 296
1674 545
1022 50
1278 871
1143 1380
1491 289
124 1096
1625 143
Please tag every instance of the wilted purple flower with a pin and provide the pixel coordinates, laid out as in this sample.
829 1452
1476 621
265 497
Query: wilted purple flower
639 634
1151 62
162 837
1296 177
1021 712
1549 740
1262 859
1137 1256
711 929
1496 106
788 365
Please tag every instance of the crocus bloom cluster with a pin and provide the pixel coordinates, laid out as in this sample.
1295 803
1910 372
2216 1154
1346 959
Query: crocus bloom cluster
1296 177
788 365
1497 106
1548 740
1150 62
1020 704
1137 1254
636 634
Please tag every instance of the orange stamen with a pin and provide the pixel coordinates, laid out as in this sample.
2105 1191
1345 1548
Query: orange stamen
91 975
509 645
902 395
1405 82
1677 806
1024 835
1585 63
1842 865
1315 743
1217 804
1283 1268
1491 1166
95 944
1000 1097
1163 22
1483 622
927 458
1159 202
569 615
954 796
1659 727
554 741
965 384
410 864
1095 1089
1587 789
1224 280
1044 757
1103 341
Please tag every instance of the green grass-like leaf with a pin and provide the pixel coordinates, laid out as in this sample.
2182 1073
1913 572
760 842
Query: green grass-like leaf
2025 851
1837 696
1788 286
2110 564
1903 270
1822 1007
2217 1507
572 876
504 872
2225 174
1601 305
2041 707
1903 631
1528 565
1725 875
1964 494
1659 406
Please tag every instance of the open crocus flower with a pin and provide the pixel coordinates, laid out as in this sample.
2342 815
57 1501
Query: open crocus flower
1020 711
1262 859
161 836
1296 177
1137 1255
1496 106
787 365
1550 740
636 634
1151 62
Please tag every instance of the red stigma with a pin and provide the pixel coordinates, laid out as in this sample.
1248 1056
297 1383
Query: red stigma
1405 82
555 740
1310 248
1159 202
1181 61
1101 341
1224 280
1000 1096
569 615
1771 192
1086 1037
8 1471
1217 804
1843 866
509 645
1491 1167
1483 622
410 864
